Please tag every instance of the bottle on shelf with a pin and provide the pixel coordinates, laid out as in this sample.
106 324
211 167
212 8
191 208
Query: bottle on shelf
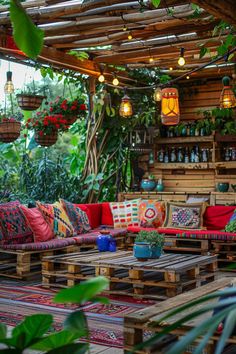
161 156
186 155
151 158
180 156
197 154
204 155
173 155
192 129
192 155
166 155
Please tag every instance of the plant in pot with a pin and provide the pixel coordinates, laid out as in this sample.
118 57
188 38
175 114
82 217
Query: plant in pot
148 244
46 127
9 129
70 109
148 184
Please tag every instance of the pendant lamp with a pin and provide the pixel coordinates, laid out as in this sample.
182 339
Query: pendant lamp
170 106
157 94
9 87
227 97
126 109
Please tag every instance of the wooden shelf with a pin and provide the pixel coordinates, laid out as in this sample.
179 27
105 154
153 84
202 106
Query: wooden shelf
225 164
185 139
184 166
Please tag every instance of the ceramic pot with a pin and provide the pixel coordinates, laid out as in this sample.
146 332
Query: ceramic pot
156 252
160 187
103 242
223 187
142 251
148 184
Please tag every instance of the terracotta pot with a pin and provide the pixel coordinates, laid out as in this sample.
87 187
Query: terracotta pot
47 139
9 131
71 118
29 102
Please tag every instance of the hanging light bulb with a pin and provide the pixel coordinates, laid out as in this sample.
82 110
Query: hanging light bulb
9 87
125 28
101 77
170 68
115 81
157 94
126 109
181 60
187 77
227 97
170 106
130 36
151 60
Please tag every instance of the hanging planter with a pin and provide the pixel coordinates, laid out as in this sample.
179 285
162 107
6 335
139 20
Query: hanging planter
71 118
46 139
9 130
29 102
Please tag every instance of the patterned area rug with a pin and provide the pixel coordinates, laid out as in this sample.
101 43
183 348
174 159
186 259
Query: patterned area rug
105 321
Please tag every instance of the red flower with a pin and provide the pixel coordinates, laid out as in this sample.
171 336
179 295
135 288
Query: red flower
82 107
57 126
41 133
51 109
73 108
25 135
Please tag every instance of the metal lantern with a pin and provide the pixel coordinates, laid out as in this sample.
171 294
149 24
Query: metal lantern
227 97
9 87
126 109
157 94
170 106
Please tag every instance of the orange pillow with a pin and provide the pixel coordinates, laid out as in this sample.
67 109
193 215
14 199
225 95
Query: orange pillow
151 213
41 230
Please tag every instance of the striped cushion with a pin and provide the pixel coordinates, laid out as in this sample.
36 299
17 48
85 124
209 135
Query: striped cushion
208 235
41 246
125 213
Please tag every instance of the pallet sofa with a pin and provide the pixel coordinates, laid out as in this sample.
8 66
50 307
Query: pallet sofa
24 260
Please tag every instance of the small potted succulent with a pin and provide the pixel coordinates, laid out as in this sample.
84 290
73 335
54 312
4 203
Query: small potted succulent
9 129
70 109
148 244
148 184
46 127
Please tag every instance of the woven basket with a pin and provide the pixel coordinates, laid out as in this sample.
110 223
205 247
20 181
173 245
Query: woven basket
71 119
46 140
9 131
29 102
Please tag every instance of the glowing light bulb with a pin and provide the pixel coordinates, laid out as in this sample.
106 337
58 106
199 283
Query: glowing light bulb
126 109
125 28
187 77
170 68
130 37
115 81
9 87
181 61
101 78
157 94
151 59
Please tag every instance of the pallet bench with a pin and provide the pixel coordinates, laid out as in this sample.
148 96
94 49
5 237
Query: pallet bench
142 321
167 276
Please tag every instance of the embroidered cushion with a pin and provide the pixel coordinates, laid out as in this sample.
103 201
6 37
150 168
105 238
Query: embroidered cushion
151 213
13 225
77 217
125 213
41 230
57 218
184 216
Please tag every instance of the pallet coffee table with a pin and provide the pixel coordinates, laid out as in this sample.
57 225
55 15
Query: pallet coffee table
167 276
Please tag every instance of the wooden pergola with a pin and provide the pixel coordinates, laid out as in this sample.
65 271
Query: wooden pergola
101 28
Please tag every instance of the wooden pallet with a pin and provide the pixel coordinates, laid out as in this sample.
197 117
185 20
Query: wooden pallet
141 321
157 278
226 252
175 244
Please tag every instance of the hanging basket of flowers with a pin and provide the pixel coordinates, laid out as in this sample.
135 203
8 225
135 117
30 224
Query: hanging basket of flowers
29 102
9 130
46 127
70 109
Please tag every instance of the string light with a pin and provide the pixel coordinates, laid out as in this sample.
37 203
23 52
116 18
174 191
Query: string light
130 36
9 87
181 60
125 28
151 60
227 97
157 94
170 68
101 78
187 77
126 109
115 81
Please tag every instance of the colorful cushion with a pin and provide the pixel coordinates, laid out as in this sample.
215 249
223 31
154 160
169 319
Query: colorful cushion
107 217
77 217
41 230
184 216
216 217
208 235
14 227
151 213
57 218
125 213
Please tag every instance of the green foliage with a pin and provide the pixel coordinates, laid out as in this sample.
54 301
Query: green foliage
79 54
152 237
156 3
31 42
32 333
231 226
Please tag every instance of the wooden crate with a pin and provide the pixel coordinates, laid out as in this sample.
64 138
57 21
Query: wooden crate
157 278
139 322
226 252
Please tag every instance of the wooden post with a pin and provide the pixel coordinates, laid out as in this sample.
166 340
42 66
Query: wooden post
23 264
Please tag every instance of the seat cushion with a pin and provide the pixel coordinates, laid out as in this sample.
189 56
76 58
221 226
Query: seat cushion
77 217
40 246
41 230
160 230
107 218
14 227
217 217
208 235
91 237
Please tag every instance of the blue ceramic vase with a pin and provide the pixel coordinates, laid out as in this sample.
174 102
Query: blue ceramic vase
148 185
223 187
103 242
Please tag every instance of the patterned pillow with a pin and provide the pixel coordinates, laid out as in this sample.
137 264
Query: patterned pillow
77 217
151 213
57 218
125 213
14 226
184 216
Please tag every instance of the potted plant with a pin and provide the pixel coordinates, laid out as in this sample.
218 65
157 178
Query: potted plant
148 244
9 129
46 127
148 184
70 109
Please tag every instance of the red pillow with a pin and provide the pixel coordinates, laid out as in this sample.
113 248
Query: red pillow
41 230
94 213
217 217
107 217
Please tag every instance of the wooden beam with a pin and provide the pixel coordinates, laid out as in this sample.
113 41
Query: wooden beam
224 10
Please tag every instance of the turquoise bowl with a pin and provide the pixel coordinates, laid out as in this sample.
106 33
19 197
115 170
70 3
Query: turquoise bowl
223 187
148 185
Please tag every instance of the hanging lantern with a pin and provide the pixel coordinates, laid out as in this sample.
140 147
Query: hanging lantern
170 106
181 60
227 97
126 109
157 94
9 87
